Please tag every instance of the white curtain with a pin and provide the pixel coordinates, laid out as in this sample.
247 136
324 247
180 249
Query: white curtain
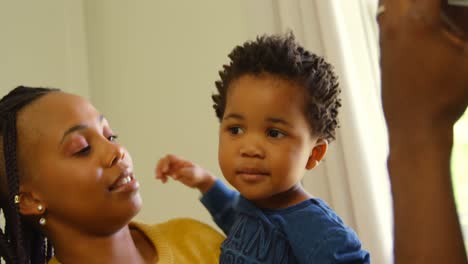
353 179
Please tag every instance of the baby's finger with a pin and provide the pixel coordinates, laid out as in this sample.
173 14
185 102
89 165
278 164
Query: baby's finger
162 167
161 177
164 179
176 176
178 162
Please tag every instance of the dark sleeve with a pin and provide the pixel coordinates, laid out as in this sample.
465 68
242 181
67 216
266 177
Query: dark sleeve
221 202
317 235
340 246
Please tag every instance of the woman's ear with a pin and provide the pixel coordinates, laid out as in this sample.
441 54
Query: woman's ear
317 154
28 203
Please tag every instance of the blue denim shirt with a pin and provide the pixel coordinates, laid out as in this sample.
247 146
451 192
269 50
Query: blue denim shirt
308 232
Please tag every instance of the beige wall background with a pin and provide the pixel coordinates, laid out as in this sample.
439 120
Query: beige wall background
43 43
149 66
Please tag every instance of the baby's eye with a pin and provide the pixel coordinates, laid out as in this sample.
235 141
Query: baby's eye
112 138
235 130
275 133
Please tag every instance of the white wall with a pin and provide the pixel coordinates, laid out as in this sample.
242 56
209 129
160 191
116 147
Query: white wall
42 43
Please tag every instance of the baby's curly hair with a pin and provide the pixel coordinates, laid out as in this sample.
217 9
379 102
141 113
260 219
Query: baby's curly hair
282 56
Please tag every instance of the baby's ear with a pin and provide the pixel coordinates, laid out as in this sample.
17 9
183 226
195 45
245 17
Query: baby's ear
318 152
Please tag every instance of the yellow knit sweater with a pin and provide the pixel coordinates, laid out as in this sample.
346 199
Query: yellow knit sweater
181 241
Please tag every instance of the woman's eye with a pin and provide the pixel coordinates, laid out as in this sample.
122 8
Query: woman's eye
236 130
112 138
84 151
275 133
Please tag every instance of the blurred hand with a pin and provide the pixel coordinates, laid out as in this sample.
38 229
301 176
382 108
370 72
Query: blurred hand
424 66
187 172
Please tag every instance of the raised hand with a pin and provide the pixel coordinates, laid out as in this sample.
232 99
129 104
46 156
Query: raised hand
424 65
184 171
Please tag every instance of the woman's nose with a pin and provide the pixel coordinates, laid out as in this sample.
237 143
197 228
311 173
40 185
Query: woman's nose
117 153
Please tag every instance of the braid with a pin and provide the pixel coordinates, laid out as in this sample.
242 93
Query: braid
39 251
5 249
21 243
9 145
49 249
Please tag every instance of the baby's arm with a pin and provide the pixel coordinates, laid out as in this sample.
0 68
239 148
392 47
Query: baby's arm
317 235
221 203
185 171
217 198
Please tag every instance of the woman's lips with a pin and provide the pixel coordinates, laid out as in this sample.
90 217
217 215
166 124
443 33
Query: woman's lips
125 182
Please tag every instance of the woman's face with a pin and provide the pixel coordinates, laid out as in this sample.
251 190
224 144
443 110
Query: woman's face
73 166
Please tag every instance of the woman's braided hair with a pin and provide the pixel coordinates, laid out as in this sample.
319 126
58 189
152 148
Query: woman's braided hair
20 242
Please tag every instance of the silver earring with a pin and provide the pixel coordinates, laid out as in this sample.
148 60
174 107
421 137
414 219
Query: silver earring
42 221
40 208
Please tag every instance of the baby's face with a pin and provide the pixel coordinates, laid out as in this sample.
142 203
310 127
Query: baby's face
265 142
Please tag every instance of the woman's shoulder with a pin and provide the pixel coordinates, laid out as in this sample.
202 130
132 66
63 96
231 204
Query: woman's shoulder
178 225
183 240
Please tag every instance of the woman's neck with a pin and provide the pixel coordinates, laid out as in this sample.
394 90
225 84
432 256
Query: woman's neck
123 246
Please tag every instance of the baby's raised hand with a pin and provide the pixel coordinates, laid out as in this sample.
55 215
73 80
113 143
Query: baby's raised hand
185 171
